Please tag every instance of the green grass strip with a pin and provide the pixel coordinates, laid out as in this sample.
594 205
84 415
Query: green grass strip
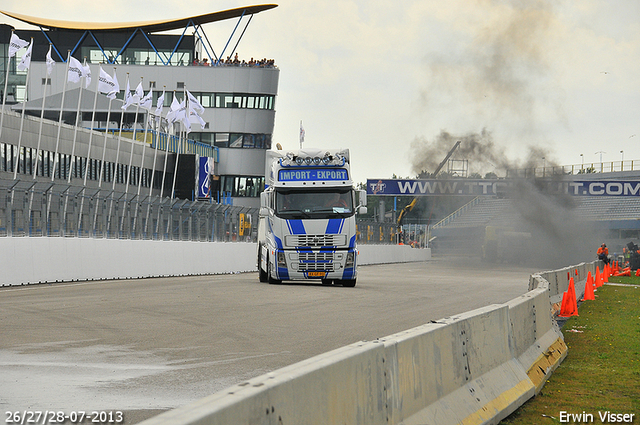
601 372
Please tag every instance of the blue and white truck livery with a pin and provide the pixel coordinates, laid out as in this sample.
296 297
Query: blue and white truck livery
307 223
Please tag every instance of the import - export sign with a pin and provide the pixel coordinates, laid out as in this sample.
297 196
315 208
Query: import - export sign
493 187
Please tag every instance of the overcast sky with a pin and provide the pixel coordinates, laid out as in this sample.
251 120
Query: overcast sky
397 82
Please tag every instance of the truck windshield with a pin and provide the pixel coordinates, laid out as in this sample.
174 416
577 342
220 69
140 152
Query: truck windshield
314 204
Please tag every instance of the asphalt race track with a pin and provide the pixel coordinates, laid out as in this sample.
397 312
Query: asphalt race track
149 345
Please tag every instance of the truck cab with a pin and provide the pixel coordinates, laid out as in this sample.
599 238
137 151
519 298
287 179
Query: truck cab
307 226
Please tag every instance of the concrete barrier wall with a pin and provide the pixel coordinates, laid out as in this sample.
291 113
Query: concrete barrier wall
384 254
35 260
473 368
458 370
41 259
338 387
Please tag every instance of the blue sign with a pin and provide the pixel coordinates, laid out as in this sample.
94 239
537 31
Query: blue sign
312 174
493 187
205 168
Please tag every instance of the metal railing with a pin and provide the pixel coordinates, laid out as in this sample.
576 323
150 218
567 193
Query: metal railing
55 210
589 168
46 209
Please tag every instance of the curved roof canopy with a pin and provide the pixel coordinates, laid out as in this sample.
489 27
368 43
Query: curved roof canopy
146 26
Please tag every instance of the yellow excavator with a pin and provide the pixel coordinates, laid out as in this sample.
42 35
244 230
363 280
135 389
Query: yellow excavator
407 209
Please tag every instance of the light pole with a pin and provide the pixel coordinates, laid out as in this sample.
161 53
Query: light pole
582 158
544 166
621 160
601 165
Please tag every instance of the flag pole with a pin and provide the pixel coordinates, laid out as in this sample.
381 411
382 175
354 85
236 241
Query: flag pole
155 157
144 147
6 83
113 187
86 168
24 103
175 173
164 170
133 139
64 91
104 152
75 129
44 97
129 168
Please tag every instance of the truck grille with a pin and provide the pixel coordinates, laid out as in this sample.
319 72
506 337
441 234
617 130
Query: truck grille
315 261
316 240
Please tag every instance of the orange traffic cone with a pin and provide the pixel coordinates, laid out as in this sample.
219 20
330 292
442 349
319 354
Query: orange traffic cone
570 307
564 307
638 272
598 278
588 289
606 274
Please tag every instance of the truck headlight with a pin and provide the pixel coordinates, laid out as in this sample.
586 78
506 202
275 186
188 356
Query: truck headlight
282 262
351 259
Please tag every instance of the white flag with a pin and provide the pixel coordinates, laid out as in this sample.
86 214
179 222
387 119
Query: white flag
107 85
128 98
16 44
184 119
116 89
302 134
139 94
26 59
50 62
194 104
173 110
86 70
195 118
160 104
147 101
76 71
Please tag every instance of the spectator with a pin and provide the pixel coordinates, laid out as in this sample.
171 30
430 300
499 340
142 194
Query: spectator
603 253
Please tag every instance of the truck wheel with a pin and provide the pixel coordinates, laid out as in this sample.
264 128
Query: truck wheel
270 279
263 275
347 283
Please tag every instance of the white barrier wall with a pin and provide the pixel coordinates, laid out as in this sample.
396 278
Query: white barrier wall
385 254
36 260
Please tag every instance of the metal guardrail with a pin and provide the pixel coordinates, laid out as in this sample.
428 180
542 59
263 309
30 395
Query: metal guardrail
576 169
56 210
36 209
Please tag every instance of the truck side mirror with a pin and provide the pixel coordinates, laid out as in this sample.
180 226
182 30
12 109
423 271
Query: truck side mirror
362 198
362 209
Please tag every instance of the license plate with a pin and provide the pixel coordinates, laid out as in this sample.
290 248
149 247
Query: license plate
316 274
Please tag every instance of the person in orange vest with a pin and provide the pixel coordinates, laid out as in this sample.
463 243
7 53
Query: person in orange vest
603 253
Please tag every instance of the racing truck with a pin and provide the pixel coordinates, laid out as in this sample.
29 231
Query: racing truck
307 224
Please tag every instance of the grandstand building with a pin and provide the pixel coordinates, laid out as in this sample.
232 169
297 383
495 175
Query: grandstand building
135 152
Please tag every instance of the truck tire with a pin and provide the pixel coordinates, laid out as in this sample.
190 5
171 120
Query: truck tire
262 274
347 283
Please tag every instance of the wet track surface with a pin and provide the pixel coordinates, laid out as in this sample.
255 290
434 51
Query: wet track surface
149 345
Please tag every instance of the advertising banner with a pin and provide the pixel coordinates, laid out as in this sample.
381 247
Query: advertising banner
493 187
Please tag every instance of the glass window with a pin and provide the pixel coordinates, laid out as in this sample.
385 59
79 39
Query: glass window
222 140
320 204
206 100
248 141
235 140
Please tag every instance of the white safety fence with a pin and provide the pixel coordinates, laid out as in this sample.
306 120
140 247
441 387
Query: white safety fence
473 368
